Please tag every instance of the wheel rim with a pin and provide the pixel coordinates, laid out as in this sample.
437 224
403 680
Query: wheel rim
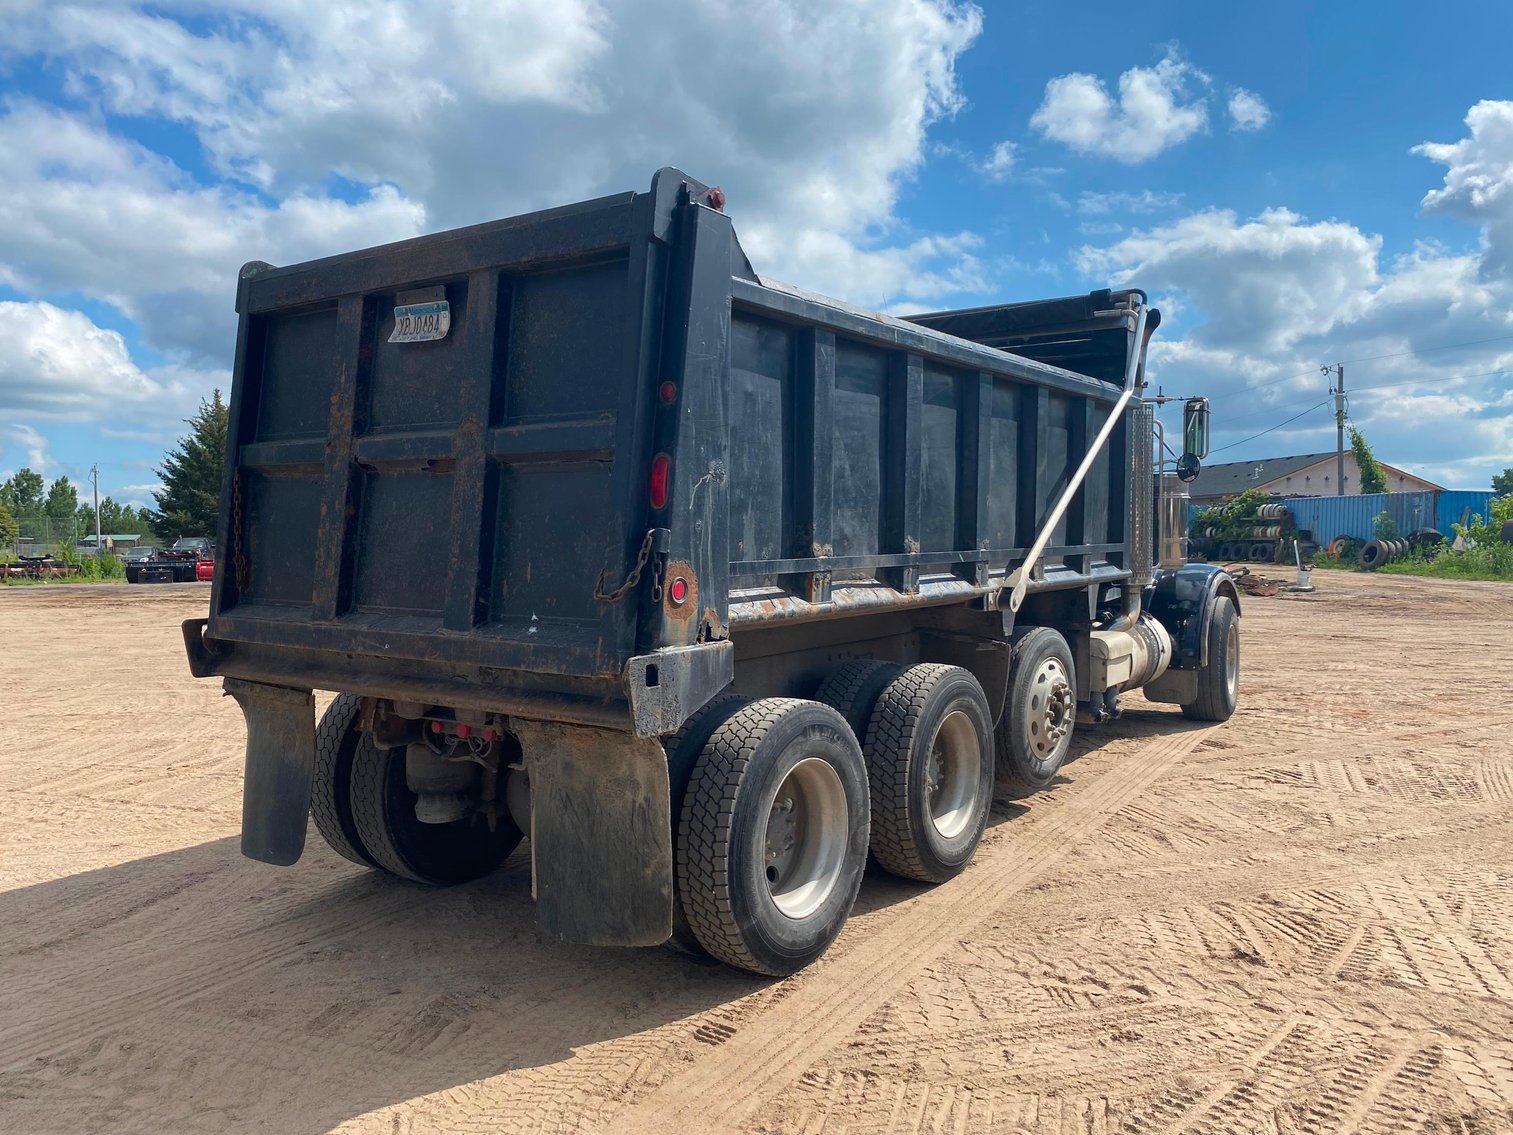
952 775
806 838
1052 707
1232 660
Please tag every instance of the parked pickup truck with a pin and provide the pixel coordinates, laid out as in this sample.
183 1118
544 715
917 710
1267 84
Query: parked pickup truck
705 584
178 564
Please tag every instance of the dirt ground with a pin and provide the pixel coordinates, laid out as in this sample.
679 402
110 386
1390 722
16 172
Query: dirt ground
1299 921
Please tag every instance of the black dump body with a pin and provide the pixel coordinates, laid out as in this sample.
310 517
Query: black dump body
479 519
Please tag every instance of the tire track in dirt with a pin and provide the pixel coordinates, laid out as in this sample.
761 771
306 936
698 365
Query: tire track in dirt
832 998
68 1007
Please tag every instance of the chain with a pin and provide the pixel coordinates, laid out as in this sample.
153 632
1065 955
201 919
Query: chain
239 561
632 579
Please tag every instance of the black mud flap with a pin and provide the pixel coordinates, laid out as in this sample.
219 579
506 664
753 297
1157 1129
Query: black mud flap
601 834
280 764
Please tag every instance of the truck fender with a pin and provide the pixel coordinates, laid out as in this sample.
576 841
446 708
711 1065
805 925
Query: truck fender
1182 600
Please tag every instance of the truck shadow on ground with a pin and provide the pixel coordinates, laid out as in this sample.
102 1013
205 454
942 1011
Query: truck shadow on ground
198 990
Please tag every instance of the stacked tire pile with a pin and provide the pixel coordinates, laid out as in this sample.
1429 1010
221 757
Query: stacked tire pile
1378 552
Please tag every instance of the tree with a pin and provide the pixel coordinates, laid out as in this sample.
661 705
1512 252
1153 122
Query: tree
1373 480
190 502
8 527
115 519
62 501
22 494
1502 484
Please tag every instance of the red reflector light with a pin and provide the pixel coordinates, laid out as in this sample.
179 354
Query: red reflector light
679 590
668 392
661 475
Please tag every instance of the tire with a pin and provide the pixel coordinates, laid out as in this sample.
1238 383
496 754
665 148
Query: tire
683 749
852 691
1219 681
773 915
336 740
1036 729
383 812
930 769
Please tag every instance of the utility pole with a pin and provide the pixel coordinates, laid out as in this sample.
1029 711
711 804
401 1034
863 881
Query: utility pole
94 472
1338 390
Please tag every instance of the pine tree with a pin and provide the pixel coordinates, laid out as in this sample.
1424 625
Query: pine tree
190 502
22 494
62 501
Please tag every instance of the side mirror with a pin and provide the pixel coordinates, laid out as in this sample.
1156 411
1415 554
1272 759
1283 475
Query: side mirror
1195 427
1188 468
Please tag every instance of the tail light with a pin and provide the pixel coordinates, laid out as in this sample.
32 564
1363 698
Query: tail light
661 477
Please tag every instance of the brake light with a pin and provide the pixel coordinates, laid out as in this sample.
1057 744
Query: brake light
661 476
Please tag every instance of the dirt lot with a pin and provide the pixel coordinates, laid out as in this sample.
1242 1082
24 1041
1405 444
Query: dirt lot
1300 921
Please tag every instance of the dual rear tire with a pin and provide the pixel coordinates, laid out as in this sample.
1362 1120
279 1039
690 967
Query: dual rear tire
365 811
781 804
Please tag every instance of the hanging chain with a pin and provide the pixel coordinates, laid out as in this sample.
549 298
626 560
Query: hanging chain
238 559
632 579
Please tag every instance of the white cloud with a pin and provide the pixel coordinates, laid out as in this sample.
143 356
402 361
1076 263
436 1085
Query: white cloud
56 363
89 212
23 447
477 110
1262 302
1263 283
1000 163
138 496
1248 111
1146 201
1154 112
1479 181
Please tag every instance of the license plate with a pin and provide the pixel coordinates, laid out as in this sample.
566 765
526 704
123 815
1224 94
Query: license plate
421 322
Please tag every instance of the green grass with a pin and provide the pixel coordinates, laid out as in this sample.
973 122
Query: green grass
1494 563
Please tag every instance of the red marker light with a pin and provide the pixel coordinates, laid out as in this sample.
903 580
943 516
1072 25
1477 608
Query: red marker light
661 476
668 391
678 592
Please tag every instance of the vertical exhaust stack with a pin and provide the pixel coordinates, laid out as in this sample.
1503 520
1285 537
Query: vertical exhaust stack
1172 522
1142 426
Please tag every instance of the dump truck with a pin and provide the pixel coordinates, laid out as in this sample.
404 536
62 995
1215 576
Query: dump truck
709 587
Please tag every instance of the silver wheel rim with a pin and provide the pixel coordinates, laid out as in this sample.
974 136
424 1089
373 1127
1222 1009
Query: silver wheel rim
1232 660
1051 709
952 775
806 838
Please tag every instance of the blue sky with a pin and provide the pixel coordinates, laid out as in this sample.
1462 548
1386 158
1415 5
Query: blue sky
1302 186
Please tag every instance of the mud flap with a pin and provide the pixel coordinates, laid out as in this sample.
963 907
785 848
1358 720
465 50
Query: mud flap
601 834
280 765
1176 687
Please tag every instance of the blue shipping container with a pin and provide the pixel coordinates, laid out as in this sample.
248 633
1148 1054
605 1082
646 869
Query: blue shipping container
1329 517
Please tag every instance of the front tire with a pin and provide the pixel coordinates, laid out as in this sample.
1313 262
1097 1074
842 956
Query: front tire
772 839
1036 729
1219 681
930 766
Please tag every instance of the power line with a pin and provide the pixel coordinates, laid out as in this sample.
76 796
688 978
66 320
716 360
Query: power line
1273 429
